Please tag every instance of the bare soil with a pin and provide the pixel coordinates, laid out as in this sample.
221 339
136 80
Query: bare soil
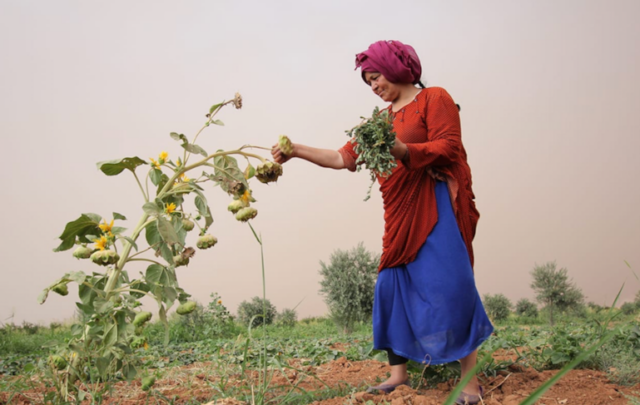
201 382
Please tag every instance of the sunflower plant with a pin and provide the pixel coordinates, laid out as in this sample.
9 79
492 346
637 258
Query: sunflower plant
109 293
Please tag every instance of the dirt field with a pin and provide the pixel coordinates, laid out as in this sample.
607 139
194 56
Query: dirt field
197 384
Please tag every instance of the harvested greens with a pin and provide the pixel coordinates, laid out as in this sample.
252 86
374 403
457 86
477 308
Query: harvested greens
372 140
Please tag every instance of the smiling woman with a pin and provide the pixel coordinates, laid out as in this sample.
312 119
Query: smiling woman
426 305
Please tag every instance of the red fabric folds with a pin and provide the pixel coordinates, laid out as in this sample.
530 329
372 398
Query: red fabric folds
430 126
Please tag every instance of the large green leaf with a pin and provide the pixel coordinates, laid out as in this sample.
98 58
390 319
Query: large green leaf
115 167
111 337
102 363
87 224
158 275
156 176
152 235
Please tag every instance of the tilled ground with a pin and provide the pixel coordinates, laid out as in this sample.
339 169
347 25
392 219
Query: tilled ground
201 382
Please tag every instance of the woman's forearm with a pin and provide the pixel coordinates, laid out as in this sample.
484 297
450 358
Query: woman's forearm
322 157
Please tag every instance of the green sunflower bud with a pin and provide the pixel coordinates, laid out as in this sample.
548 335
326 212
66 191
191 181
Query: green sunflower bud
138 342
285 145
186 308
57 361
268 172
246 214
61 289
188 225
82 252
105 257
148 382
206 241
139 330
180 260
142 318
236 205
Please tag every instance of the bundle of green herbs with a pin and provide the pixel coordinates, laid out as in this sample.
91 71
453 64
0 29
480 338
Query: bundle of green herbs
372 140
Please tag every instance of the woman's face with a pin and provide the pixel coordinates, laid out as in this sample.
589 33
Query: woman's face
381 86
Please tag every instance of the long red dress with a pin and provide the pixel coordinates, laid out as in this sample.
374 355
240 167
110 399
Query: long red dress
430 126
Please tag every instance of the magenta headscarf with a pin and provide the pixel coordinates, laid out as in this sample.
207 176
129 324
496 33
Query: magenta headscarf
398 63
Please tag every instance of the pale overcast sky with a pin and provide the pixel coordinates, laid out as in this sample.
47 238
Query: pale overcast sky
549 95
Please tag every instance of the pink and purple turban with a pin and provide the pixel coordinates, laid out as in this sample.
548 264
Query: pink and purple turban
398 63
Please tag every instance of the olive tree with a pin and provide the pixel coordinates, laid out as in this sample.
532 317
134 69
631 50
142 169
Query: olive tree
555 290
498 306
348 284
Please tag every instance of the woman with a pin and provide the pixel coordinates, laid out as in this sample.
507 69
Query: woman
426 306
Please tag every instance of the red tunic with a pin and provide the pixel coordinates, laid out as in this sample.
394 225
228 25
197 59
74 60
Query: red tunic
430 126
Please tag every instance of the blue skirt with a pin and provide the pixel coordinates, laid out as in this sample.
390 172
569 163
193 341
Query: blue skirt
429 310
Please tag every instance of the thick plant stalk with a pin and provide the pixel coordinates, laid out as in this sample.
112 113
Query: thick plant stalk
115 274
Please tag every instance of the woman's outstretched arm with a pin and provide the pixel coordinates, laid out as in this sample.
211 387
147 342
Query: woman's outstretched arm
322 157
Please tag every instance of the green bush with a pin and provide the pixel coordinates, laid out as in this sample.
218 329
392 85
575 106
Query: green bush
287 318
629 308
498 306
259 310
348 284
526 308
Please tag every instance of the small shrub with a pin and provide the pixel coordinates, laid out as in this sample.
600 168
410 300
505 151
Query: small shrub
287 318
629 308
261 311
526 308
348 285
498 306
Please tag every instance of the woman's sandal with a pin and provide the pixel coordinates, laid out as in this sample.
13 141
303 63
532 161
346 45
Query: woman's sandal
469 399
386 388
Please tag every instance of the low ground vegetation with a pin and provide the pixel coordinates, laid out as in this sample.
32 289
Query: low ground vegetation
231 350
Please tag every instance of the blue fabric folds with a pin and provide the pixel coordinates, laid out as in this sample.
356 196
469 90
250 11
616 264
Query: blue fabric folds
429 310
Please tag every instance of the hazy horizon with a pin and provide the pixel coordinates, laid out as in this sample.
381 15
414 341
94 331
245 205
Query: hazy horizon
549 98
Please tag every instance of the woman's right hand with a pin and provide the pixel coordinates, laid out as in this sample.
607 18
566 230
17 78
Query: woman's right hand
280 157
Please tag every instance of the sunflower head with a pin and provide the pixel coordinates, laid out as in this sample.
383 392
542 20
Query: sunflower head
106 228
101 243
169 208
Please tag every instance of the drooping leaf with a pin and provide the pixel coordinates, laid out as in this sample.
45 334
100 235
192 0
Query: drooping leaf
249 172
193 148
119 216
178 137
42 297
133 244
214 107
167 232
115 167
85 225
201 204
217 122
77 276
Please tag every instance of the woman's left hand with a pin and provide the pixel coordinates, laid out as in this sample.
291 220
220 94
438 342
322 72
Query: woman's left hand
399 149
